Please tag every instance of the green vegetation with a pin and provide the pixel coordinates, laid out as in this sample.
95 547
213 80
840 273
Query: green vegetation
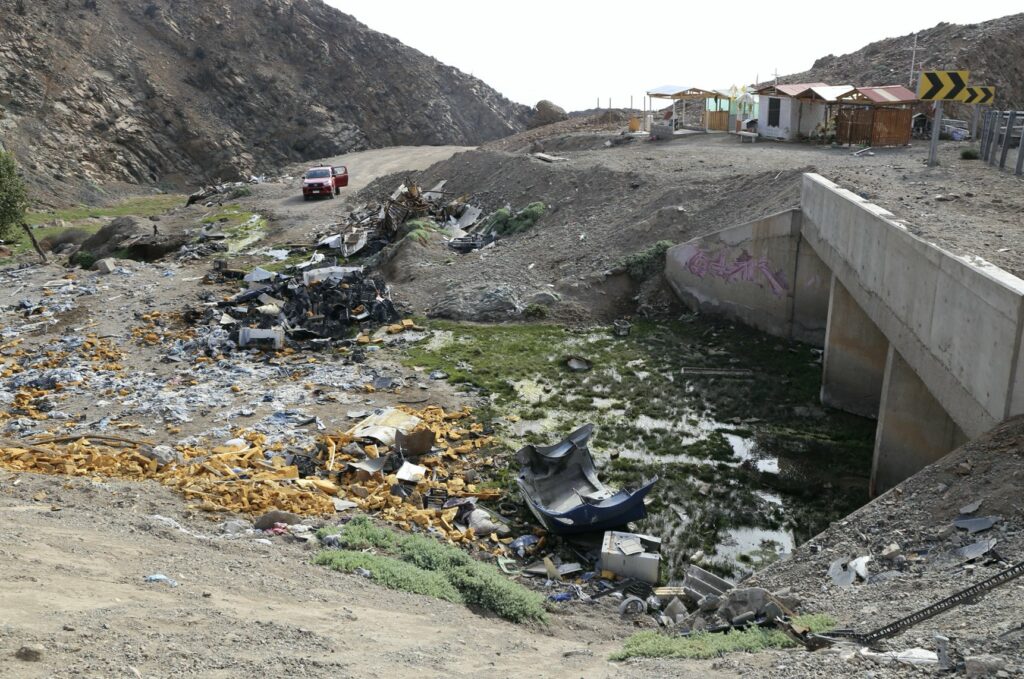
504 223
13 198
419 230
83 259
419 564
703 434
643 264
390 573
140 206
650 644
535 311
969 154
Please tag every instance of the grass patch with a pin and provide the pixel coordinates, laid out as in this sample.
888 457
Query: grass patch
140 206
969 154
647 262
650 644
391 573
425 561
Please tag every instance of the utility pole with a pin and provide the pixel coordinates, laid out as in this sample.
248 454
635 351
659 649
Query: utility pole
776 74
913 60
933 150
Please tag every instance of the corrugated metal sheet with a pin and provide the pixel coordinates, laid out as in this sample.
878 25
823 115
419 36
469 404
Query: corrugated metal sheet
828 93
791 90
889 94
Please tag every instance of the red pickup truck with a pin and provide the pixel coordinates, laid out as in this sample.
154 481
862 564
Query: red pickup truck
324 181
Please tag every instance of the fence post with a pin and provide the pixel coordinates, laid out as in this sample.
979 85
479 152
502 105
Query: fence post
1020 155
984 133
1006 139
986 140
996 140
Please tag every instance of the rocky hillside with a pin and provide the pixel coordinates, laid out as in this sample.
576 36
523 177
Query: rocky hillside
993 51
188 90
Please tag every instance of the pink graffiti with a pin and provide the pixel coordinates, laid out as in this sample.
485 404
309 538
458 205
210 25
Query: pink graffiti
743 268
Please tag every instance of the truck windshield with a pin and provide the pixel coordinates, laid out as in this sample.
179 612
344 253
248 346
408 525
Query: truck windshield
318 174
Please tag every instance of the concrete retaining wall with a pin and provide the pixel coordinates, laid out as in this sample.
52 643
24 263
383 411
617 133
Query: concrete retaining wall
756 273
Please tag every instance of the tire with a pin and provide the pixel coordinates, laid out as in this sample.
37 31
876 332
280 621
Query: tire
305 196
330 195
337 190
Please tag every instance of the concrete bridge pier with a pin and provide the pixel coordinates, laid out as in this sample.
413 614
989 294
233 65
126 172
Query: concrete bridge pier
854 363
913 430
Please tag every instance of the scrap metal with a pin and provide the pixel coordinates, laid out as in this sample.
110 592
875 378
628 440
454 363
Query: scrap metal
816 641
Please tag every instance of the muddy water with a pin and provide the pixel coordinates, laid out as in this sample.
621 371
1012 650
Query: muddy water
749 463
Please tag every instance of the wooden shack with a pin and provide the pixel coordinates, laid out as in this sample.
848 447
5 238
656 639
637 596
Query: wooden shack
875 116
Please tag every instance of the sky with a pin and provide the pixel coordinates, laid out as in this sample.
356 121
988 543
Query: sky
575 52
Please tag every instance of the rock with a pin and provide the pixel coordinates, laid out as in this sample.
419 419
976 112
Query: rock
709 602
547 113
30 653
162 454
481 303
276 516
891 551
983 665
105 266
544 298
740 601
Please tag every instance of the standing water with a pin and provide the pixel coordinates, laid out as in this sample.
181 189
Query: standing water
728 418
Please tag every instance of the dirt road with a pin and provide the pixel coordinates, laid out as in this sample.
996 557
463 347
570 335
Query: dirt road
284 203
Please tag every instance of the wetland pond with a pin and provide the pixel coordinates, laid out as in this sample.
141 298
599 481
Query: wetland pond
728 418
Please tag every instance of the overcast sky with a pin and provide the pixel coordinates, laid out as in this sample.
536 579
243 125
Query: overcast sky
573 51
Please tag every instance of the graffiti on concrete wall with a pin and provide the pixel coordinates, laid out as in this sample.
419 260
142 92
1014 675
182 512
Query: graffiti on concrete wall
743 267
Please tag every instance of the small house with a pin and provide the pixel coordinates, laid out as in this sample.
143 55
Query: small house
802 110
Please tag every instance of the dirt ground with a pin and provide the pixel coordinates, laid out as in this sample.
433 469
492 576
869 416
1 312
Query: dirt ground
74 564
75 551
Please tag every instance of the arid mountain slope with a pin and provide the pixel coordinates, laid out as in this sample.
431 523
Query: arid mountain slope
993 51
165 90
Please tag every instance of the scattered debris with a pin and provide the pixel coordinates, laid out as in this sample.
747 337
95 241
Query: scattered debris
976 525
160 577
630 555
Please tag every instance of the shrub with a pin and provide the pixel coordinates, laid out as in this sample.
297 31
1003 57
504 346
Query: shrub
391 573
969 154
535 311
13 198
238 192
647 262
503 223
83 259
473 581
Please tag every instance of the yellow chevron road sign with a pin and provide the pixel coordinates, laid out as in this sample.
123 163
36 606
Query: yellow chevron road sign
982 94
942 85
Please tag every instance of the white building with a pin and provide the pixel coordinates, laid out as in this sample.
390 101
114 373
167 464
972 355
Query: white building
791 112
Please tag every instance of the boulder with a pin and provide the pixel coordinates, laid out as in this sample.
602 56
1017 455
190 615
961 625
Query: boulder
546 113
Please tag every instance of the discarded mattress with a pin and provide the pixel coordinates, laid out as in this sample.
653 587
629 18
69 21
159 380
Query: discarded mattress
559 483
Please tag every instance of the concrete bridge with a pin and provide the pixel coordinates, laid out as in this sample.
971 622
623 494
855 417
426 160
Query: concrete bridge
923 340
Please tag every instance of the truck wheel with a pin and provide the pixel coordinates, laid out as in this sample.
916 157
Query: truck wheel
331 195
337 190
305 196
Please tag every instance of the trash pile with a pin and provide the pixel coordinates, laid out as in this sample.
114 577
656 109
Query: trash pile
321 305
412 468
370 228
